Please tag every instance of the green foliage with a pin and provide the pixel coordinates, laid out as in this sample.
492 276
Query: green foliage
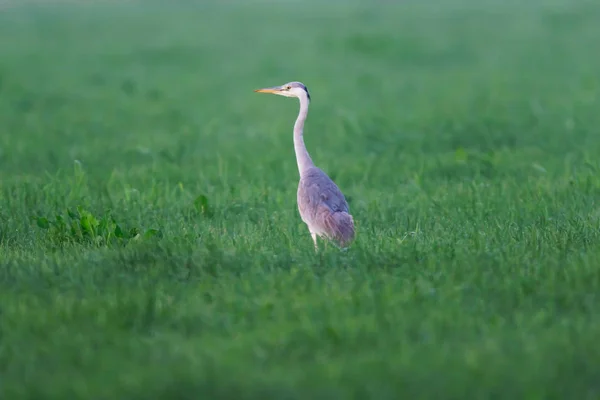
150 245
81 226
201 205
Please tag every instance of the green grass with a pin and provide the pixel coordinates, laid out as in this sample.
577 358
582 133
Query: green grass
150 244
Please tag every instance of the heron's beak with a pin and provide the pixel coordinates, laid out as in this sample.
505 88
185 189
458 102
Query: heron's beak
274 90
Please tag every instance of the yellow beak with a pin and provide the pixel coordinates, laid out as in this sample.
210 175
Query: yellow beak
274 89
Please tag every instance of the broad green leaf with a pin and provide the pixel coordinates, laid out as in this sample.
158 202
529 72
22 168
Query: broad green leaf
201 205
119 232
42 222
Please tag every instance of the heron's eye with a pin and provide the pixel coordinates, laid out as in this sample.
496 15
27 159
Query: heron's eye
288 87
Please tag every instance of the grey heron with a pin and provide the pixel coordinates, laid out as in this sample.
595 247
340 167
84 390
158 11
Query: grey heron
322 206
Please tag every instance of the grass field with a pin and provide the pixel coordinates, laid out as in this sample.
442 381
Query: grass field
150 244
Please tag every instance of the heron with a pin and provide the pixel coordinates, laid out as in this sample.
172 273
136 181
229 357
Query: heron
323 207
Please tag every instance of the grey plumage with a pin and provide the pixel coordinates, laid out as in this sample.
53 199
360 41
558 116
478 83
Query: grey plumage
323 207
321 204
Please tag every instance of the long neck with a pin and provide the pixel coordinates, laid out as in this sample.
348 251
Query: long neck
302 158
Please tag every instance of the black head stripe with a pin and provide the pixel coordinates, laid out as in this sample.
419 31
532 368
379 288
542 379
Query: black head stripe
306 90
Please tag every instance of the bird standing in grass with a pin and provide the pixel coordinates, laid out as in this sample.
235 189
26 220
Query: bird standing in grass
322 206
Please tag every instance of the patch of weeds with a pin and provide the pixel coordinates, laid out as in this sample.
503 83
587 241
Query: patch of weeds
83 227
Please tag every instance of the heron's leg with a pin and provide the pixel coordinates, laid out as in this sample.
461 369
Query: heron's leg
314 238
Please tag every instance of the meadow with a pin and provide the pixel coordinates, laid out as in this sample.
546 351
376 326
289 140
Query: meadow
150 244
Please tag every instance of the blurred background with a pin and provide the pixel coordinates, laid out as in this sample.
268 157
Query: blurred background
123 83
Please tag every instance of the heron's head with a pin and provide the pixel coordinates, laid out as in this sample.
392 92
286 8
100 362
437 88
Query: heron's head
290 89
